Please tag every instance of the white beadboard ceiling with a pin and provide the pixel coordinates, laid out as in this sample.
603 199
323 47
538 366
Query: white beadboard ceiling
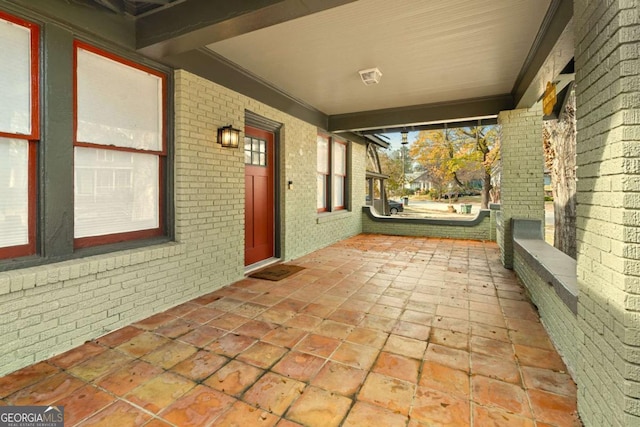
428 51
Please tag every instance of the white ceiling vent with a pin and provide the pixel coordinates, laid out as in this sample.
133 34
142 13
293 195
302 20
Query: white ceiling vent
370 76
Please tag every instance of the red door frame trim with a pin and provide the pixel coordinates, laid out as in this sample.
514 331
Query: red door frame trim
162 155
32 137
269 137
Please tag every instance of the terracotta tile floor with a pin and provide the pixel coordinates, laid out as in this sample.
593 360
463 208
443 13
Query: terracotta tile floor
375 331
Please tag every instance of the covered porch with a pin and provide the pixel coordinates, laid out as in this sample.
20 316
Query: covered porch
376 330
287 75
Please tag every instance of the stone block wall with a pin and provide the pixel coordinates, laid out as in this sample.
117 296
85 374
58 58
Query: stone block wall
607 59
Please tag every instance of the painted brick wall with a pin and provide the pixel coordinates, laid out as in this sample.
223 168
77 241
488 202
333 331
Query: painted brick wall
607 40
521 186
482 231
49 309
306 230
559 321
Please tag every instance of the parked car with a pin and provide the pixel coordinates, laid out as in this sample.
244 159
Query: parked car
395 207
451 195
461 193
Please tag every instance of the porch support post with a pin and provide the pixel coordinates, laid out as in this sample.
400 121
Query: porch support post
522 183
607 37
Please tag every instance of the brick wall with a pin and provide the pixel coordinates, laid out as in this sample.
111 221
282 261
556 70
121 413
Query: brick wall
426 228
48 309
607 37
559 321
306 230
521 185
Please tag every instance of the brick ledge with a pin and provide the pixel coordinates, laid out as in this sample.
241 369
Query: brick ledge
552 265
482 214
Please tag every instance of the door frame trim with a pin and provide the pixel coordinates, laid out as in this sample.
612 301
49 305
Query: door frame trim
257 121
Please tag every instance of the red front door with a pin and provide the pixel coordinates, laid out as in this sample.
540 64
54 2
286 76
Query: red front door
258 199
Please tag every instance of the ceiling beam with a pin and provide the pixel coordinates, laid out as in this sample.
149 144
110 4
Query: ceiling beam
406 117
551 51
116 6
196 23
487 121
85 17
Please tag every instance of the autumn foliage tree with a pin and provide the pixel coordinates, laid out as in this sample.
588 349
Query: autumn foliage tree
455 157
391 164
487 150
440 155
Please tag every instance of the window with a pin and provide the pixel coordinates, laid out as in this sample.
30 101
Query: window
119 148
19 133
339 174
332 174
323 173
255 151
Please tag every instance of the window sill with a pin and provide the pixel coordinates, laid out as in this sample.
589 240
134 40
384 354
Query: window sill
52 271
325 217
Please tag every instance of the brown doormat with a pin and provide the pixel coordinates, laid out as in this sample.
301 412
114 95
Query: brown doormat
276 272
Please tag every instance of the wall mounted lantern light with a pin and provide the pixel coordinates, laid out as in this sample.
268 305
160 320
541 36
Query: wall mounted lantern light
228 137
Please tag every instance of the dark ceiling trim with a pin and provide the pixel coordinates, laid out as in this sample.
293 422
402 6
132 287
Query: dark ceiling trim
405 117
377 140
116 6
195 23
211 66
553 25
353 137
257 121
80 16
488 121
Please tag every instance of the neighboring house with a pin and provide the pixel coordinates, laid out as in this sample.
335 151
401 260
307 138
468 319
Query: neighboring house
376 181
420 181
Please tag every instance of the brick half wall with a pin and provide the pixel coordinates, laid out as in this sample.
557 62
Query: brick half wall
478 228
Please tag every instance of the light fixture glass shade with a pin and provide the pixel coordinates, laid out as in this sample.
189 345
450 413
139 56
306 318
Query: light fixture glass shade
228 137
370 76
404 137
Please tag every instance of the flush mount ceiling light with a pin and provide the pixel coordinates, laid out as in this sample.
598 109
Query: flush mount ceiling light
370 76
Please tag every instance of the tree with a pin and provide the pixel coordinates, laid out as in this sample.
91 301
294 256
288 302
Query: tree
488 152
439 154
457 157
559 138
391 164
494 164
